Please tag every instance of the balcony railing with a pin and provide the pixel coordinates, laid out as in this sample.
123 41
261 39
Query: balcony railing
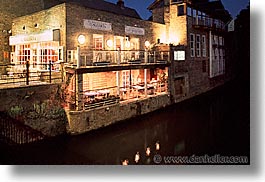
27 74
97 98
109 57
207 22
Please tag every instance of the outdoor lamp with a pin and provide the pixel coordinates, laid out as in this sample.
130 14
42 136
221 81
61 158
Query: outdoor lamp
147 44
81 39
110 43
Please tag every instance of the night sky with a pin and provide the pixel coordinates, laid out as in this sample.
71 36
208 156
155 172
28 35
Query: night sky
233 6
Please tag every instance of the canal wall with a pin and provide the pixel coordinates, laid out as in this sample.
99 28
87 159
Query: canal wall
83 121
39 107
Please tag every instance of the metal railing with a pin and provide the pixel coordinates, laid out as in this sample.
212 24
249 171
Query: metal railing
112 57
96 98
206 21
14 132
26 74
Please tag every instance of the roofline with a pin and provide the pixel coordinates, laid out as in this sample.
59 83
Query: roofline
151 6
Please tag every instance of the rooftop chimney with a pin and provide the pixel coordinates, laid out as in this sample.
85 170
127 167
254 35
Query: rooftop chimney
120 3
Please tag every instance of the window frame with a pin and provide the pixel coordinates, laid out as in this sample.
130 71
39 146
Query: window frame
183 10
198 45
204 52
98 42
192 45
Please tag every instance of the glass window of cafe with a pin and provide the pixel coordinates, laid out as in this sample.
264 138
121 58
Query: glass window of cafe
39 55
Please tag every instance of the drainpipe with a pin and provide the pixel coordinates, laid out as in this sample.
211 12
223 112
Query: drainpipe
145 73
210 53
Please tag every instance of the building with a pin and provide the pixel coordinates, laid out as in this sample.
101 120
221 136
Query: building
120 67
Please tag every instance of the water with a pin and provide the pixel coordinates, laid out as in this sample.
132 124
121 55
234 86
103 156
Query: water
214 123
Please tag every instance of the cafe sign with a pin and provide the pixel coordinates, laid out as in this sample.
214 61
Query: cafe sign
48 35
97 25
134 30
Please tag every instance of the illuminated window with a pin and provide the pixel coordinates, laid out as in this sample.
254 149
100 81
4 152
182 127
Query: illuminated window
192 45
198 45
23 53
48 54
127 79
203 46
179 55
98 42
39 55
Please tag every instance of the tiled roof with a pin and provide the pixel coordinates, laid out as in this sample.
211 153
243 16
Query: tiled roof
106 6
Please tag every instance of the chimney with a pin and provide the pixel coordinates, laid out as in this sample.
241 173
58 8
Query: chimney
120 3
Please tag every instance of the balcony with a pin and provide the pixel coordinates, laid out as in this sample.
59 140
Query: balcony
205 22
108 60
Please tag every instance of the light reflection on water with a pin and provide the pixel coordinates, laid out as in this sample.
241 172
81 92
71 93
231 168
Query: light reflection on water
210 124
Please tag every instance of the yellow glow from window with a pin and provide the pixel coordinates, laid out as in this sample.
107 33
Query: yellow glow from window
173 39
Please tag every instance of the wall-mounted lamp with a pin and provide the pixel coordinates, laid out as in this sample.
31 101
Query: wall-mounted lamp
81 39
147 44
110 43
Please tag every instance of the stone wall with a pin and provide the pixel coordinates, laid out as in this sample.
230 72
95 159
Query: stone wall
75 26
9 9
83 121
53 18
39 107
5 27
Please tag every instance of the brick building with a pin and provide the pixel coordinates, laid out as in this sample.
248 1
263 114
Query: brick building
117 65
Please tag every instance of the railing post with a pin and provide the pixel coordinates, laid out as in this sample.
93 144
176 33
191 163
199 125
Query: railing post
50 72
27 72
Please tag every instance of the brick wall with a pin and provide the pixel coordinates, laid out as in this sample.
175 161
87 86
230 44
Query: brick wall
39 107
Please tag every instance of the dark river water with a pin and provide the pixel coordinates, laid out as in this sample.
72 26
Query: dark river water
215 123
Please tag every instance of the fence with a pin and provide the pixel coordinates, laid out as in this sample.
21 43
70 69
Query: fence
14 132
26 74
105 57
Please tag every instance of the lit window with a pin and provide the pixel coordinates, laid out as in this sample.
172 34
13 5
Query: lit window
192 45
179 55
198 45
98 42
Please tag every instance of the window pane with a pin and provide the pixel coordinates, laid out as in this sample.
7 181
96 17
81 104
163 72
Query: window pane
181 10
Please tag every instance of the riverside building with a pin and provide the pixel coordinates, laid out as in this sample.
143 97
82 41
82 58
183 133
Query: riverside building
116 65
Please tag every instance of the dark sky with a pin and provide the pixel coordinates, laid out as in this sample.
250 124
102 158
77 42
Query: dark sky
233 6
